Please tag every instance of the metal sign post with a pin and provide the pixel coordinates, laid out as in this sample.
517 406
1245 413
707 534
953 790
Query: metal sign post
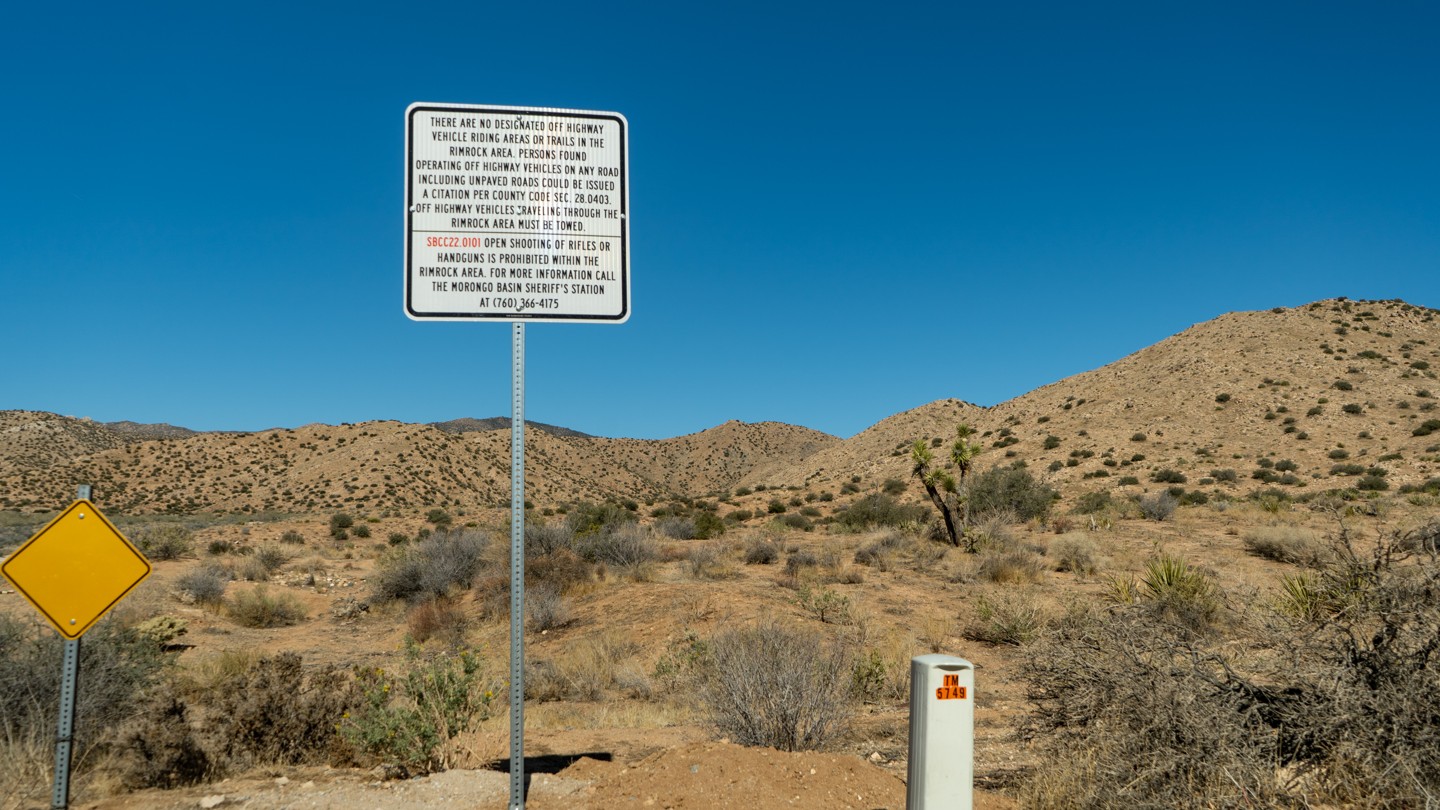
517 566
65 732
516 214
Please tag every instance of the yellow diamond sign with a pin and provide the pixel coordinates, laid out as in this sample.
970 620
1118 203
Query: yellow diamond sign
76 568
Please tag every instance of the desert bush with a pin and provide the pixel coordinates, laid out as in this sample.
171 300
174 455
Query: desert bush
167 541
361 531
1159 506
1343 714
1007 618
548 538
159 747
676 528
438 618
1091 503
293 538
1287 544
591 669
1180 592
257 608
708 561
760 551
117 667
546 608
590 518
1074 553
410 717
1168 476
1009 489
563 570
878 510
828 606
776 686
277 712
1127 716
432 567
625 546
1009 566
204 585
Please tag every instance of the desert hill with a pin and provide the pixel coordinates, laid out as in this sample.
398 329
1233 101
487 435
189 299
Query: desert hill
1320 395
372 466
1330 383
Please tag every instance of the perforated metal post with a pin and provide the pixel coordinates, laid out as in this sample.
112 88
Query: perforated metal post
65 732
517 567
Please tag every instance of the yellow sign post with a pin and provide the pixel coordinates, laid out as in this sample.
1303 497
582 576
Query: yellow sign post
76 569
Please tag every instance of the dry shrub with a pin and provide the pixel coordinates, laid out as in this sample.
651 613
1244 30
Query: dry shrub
159 748
1074 553
562 569
546 608
1005 618
278 713
257 608
440 619
117 666
1344 710
1015 566
433 567
708 561
592 668
204 585
776 686
1128 716
1287 544
759 551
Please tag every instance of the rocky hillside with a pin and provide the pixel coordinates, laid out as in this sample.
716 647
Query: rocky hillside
372 466
1330 386
1323 395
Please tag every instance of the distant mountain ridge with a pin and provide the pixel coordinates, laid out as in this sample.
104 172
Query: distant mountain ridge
1335 388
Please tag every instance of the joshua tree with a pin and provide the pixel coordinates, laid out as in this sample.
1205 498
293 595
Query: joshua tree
945 490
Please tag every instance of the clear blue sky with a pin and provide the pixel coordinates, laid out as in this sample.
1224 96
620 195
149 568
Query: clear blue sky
838 211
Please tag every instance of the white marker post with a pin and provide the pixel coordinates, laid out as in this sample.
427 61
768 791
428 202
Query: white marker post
516 214
942 734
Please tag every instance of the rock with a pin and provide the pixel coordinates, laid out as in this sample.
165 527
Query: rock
214 800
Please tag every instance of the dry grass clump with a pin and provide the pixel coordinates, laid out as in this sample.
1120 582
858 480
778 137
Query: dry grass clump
1287 544
593 668
1005 618
258 608
439 619
546 608
1075 552
1010 566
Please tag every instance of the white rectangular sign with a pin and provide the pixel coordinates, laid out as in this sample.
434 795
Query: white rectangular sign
516 214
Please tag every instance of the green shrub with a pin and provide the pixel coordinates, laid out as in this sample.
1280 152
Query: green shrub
168 541
1093 502
411 717
1168 476
878 510
1009 489
1181 592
